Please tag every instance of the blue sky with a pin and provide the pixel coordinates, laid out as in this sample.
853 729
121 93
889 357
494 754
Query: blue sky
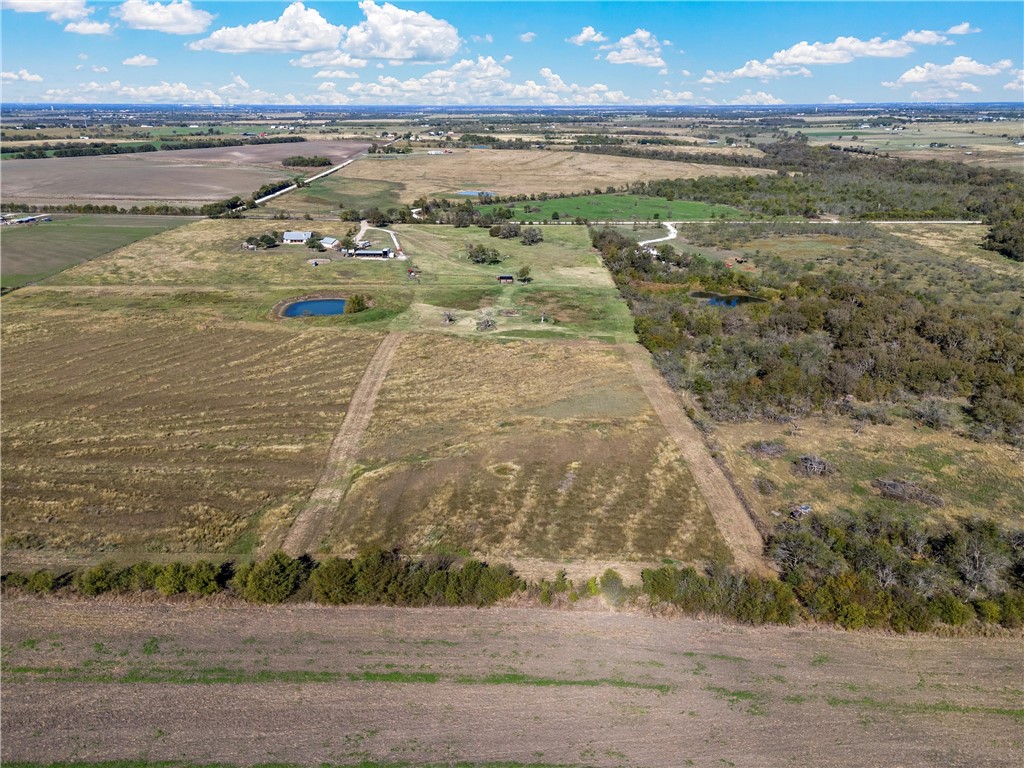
516 53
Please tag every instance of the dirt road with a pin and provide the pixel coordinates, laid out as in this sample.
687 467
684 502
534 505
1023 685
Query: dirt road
311 524
730 516
309 685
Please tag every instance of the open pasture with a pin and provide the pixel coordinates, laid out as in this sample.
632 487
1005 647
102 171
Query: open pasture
971 478
620 208
163 434
992 144
32 252
239 685
525 449
510 172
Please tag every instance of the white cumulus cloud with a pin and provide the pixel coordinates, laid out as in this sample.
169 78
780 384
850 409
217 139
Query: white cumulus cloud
297 29
328 59
671 97
926 37
587 35
833 99
88 27
528 37
178 17
759 98
482 81
950 76
140 60
1017 84
395 34
963 28
795 59
21 74
641 48
341 74
55 10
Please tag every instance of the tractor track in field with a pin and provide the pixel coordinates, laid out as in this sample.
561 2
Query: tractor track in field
727 509
315 517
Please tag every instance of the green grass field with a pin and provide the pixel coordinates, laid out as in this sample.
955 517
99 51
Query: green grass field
31 253
329 195
621 208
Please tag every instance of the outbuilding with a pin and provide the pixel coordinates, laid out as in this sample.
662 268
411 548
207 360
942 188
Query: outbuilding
506 279
331 242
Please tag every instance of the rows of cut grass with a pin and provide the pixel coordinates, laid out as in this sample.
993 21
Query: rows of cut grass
33 252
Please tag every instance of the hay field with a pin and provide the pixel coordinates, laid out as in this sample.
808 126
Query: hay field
508 172
163 434
152 405
33 252
524 449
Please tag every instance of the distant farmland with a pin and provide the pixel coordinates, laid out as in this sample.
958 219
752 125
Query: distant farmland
620 208
36 251
508 172
181 177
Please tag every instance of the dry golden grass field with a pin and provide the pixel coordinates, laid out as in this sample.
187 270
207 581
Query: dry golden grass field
152 404
507 172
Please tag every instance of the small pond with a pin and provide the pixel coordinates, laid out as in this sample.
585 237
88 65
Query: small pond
725 300
473 192
315 308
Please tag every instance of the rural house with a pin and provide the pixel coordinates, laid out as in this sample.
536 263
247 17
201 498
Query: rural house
296 238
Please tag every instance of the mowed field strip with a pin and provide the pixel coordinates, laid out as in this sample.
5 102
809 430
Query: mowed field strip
311 685
735 525
309 526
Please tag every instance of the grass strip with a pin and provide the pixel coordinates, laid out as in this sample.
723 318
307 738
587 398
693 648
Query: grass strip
925 708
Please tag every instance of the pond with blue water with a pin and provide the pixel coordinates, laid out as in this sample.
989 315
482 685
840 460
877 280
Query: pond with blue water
315 308
725 300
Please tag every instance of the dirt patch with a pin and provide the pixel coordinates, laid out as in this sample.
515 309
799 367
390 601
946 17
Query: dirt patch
311 685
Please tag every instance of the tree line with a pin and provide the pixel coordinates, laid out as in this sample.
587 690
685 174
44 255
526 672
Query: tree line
815 341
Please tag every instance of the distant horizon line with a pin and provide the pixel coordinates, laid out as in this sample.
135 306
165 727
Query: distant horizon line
603 107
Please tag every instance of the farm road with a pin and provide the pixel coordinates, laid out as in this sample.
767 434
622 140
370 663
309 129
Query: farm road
731 517
311 523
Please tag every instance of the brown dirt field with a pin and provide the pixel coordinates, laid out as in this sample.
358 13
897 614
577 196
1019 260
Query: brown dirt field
184 177
311 685
272 154
509 172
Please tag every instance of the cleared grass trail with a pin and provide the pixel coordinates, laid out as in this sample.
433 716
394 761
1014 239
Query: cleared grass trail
312 522
732 519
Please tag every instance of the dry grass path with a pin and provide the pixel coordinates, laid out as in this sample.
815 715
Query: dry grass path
312 522
730 516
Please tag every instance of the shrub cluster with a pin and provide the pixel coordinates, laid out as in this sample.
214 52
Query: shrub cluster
741 597
879 570
373 578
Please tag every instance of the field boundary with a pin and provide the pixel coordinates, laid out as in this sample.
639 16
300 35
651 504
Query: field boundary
726 507
330 489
